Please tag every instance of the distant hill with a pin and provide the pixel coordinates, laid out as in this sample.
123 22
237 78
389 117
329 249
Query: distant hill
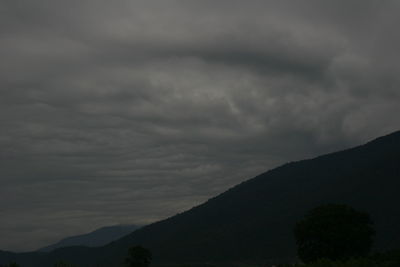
99 237
253 221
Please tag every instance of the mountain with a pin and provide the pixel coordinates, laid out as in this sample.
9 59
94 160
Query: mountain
99 237
253 221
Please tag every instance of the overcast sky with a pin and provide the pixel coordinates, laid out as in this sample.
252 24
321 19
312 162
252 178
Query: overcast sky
115 112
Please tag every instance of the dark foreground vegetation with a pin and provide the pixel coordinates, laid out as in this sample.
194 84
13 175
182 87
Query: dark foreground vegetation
335 232
253 221
333 235
387 259
339 236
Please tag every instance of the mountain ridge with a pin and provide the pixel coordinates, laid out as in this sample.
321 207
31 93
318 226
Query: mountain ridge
253 221
96 238
350 159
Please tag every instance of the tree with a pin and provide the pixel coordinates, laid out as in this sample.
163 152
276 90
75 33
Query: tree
63 264
138 257
12 264
333 231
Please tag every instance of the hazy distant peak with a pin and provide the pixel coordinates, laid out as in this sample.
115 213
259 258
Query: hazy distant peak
99 237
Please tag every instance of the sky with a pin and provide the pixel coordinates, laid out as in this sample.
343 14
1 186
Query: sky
127 112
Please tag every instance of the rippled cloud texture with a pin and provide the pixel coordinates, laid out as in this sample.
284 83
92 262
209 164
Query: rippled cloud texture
131 111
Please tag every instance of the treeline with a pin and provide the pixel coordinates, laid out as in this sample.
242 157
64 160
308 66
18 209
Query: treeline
58 264
12 264
387 259
138 256
338 236
332 235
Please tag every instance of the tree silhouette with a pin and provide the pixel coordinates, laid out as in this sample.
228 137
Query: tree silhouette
12 264
335 232
63 264
138 257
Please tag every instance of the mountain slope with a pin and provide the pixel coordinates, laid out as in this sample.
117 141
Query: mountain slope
253 221
99 237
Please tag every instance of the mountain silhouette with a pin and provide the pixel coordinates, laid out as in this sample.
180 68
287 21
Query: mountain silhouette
253 221
99 237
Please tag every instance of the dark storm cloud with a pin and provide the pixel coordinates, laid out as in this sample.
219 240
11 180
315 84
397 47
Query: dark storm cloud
130 111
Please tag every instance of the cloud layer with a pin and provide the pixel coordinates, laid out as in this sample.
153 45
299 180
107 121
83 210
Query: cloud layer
130 111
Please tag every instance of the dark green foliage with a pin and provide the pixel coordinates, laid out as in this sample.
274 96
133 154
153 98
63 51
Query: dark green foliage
138 257
335 232
64 264
354 262
12 264
360 262
390 258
